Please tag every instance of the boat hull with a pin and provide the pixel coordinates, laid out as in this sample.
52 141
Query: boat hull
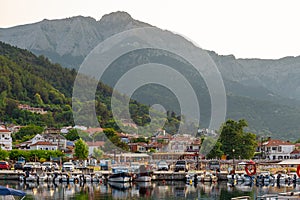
120 177
143 179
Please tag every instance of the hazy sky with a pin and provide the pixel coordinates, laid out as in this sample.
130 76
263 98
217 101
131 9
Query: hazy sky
245 28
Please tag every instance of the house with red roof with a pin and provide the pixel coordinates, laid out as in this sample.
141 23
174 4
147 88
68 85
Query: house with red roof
295 154
94 145
43 145
277 149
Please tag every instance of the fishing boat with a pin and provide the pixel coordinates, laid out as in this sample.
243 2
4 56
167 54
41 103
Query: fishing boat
120 174
143 175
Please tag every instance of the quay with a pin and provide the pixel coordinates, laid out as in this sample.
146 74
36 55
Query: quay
157 175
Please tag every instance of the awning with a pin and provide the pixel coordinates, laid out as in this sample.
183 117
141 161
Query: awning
9 191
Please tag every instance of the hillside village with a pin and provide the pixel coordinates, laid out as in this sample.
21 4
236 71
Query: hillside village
160 143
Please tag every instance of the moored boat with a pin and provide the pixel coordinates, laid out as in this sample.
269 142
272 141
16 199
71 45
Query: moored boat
119 174
143 174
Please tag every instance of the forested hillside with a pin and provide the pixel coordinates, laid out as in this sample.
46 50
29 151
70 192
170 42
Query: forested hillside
28 79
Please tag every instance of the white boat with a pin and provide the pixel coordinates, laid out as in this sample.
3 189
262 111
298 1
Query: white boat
120 174
97 178
209 177
246 178
143 175
31 178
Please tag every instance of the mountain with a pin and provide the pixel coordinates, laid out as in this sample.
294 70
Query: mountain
68 41
35 81
264 92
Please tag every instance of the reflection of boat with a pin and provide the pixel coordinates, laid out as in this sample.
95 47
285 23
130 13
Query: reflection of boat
180 192
144 184
118 193
31 178
120 174
119 186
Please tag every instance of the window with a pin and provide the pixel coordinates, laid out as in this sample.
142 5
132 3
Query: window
274 148
279 149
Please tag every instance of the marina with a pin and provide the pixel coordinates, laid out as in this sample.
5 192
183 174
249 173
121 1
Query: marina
152 190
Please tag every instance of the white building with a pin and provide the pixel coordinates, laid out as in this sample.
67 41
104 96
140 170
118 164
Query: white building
94 145
277 149
5 139
43 146
55 139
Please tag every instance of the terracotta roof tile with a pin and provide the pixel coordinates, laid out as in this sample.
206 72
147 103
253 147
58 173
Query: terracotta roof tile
277 143
43 143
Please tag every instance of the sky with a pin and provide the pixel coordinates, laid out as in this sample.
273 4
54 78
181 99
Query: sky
245 28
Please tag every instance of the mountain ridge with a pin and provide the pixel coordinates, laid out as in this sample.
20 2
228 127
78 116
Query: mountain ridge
263 81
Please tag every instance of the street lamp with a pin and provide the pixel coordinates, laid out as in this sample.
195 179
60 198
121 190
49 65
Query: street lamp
233 150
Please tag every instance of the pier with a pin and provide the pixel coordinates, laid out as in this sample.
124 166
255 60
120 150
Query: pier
157 175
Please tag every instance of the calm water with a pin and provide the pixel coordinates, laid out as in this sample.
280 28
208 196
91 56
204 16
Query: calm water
155 190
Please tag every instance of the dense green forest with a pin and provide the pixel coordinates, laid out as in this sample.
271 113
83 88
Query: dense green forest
28 79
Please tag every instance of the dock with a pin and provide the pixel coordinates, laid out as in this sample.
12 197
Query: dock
157 175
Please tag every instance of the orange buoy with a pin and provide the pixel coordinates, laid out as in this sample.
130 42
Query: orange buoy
250 168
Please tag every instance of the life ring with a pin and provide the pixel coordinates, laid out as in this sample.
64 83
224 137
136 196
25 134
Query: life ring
298 170
250 169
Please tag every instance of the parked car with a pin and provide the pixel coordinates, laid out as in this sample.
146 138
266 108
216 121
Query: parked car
31 166
4 165
162 166
181 165
68 166
19 165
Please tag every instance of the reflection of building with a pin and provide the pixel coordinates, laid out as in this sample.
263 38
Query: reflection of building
5 139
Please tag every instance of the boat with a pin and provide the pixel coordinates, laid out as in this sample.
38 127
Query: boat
209 177
97 178
31 178
119 185
4 191
120 174
143 175
246 178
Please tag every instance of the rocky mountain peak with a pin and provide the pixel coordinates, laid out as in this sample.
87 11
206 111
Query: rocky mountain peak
116 17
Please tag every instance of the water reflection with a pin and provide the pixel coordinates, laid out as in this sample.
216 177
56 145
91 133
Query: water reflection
154 190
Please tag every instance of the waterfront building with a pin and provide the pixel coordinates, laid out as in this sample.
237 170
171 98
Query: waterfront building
276 149
5 139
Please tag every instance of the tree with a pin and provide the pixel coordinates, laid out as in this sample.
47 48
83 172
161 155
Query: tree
72 135
98 153
4 155
27 132
216 152
235 142
81 149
